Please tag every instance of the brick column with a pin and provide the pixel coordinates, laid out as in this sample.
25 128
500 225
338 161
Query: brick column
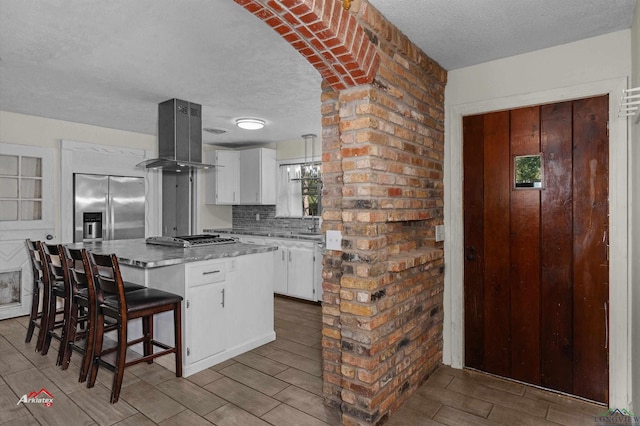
391 285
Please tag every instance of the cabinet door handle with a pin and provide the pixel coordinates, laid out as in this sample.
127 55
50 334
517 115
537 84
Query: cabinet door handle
289 256
210 272
222 291
282 255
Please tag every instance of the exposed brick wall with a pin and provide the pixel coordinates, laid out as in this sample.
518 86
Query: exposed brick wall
383 148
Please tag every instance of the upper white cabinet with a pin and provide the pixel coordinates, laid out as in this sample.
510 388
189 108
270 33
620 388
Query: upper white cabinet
246 177
223 183
258 176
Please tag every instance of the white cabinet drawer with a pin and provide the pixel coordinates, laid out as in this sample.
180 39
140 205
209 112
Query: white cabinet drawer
200 273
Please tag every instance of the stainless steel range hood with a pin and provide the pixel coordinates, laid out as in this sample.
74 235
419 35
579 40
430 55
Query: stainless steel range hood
179 137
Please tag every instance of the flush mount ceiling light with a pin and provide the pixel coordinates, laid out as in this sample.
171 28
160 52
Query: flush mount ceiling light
250 123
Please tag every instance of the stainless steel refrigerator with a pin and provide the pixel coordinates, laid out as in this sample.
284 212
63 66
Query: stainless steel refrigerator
108 207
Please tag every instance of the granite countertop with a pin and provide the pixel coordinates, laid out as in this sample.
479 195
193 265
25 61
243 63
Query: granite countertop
136 252
268 232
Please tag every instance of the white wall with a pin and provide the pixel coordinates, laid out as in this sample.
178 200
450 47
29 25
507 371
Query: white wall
576 70
635 213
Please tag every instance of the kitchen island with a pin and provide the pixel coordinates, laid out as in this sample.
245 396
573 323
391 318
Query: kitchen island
227 291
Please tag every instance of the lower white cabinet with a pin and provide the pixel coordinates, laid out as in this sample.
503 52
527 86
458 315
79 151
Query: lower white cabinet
300 271
205 303
294 266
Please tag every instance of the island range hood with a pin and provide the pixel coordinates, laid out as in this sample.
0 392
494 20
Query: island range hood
179 137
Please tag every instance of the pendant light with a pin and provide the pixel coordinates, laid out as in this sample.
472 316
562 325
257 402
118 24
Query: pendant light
308 165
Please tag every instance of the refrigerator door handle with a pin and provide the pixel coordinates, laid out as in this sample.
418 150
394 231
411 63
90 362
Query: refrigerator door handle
112 218
107 219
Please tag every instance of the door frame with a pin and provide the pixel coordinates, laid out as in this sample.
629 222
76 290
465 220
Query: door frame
619 288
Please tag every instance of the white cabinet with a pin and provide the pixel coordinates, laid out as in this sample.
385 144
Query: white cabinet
280 267
205 305
300 272
258 176
206 302
246 177
294 268
223 183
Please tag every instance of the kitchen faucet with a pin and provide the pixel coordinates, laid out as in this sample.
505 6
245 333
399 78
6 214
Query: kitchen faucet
313 227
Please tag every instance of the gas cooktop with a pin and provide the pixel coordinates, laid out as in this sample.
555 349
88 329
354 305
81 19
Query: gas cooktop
188 241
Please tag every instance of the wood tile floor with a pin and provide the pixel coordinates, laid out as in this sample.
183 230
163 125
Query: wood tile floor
277 384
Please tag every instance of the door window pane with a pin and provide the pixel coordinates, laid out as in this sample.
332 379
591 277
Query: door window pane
31 166
8 210
31 210
8 188
9 165
31 188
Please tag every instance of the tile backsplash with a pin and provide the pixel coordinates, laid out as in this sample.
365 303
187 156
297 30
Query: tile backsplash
247 217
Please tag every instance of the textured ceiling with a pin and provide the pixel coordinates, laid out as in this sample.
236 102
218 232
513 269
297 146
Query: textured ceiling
459 33
109 63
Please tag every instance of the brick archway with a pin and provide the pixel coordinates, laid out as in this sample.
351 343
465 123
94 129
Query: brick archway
324 33
382 173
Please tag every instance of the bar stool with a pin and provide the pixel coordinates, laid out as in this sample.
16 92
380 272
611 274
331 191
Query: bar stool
114 303
56 288
37 317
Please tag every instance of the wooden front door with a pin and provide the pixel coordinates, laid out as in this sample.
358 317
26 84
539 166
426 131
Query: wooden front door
536 251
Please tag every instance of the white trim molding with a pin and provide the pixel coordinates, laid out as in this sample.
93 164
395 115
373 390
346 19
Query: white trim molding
620 362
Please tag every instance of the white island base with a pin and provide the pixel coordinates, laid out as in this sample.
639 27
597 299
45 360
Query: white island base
227 308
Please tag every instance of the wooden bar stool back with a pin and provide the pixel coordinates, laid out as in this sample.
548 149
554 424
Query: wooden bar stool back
115 303
80 328
56 288
37 316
